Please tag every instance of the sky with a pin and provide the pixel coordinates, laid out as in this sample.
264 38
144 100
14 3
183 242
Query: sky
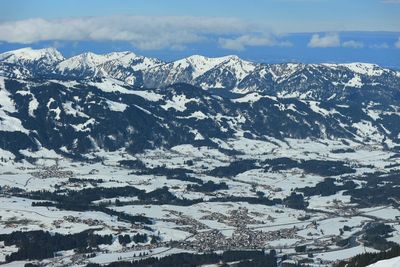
309 31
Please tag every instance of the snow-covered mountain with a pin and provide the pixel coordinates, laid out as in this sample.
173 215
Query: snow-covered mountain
119 65
208 73
224 73
28 62
120 100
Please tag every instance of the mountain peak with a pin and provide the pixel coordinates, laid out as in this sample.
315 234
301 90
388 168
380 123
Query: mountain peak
82 61
121 54
233 57
363 68
125 58
92 60
201 64
47 55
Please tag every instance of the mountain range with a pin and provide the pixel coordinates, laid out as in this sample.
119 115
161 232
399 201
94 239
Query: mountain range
89 102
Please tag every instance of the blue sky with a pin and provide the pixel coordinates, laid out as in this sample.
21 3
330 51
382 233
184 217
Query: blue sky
268 30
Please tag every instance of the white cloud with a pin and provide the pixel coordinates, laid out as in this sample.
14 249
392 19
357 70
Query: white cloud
329 40
379 46
143 32
243 41
332 40
397 44
353 44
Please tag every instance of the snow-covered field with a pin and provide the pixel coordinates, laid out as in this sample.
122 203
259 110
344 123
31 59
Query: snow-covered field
284 228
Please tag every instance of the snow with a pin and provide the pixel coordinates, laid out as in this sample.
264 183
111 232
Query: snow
7 104
8 123
197 135
43 152
47 55
143 109
134 254
200 64
110 85
272 217
148 95
100 62
281 72
84 127
15 264
332 226
386 213
344 253
365 129
364 68
284 242
394 262
359 67
355 82
51 219
33 105
374 114
197 66
315 107
70 110
108 65
66 83
146 63
274 184
249 98
329 202
56 110
178 102
196 115
85 60
123 58
240 68
116 106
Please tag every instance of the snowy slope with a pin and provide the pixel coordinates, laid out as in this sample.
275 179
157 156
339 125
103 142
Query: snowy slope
394 262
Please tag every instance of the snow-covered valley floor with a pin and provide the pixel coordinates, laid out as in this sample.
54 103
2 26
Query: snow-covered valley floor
231 212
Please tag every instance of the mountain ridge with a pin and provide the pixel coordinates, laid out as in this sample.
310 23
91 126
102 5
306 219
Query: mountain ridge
108 105
229 72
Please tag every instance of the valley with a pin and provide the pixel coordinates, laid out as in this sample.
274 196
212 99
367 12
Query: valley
236 217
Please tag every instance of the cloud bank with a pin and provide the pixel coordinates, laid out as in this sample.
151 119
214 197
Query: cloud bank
240 43
141 31
353 44
332 40
329 40
161 32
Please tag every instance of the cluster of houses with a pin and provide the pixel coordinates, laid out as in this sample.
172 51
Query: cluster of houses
53 171
187 223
